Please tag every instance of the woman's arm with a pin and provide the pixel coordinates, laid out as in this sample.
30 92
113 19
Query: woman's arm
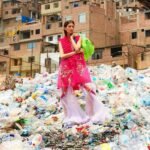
61 52
77 45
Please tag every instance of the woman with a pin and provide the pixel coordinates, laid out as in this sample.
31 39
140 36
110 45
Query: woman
74 75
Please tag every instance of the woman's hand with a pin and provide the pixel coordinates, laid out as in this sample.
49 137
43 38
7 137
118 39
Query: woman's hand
76 44
73 36
79 50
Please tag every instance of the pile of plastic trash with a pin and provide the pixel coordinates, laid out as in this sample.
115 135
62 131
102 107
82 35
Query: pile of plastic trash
8 82
31 114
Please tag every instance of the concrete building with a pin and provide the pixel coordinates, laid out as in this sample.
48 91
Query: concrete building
25 49
135 31
14 15
4 61
51 18
96 20
113 32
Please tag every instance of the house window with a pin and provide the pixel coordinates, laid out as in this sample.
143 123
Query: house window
33 15
16 62
25 34
50 38
75 4
124 2
1 39
68 18
117 4
31 32
48 26
3 67
20 61
97 54
55 38
33 5
60 24
142 56
84 2
116 51
56 5
83 34
5 52
16 47
58 37
31 59
7 22
5 4
15 11
134 35
82 18
147 15
66 7
47 6
37 31
148 46
142 30
6 12
31 45
47 62
147 33
12 3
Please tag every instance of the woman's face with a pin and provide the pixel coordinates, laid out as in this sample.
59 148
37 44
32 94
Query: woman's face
70 28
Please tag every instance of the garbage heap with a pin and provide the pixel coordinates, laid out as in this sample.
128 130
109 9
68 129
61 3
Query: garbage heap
31 114
8 82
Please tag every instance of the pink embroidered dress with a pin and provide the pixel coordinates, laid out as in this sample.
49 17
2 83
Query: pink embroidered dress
73 70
